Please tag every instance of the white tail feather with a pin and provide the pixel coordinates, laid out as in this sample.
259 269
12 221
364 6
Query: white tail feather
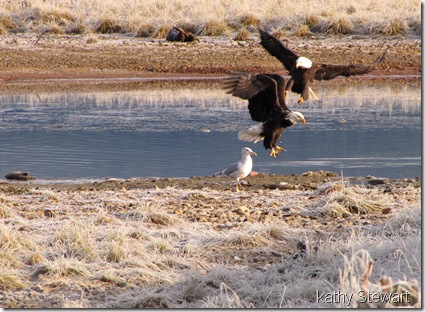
252 134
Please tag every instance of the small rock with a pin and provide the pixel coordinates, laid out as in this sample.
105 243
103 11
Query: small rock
48 213
38 288
376 182
386 210
19 175
285 186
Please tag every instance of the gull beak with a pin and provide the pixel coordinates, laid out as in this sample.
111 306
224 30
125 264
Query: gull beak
253 153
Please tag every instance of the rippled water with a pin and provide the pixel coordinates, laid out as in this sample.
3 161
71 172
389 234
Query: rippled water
355 130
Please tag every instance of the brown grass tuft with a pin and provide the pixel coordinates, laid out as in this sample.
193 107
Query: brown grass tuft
6 212
161 31
351 9
341 201
34 258
338 25
303 31
152 302
280 33
254 239
249 20
213 28
145 30
75 241
75 28
6 22
9 281
116 252
107 25
311 20
397 26
57 16
62 267
242 35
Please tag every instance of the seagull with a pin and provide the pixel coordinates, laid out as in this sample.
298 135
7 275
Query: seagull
241 168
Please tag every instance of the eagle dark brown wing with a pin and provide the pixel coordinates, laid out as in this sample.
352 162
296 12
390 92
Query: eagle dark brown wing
244 85
278 49
328 71
264 92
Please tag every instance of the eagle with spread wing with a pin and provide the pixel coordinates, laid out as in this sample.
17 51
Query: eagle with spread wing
303 71
266 103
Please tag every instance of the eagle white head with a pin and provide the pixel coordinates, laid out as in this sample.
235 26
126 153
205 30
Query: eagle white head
303 62
297 116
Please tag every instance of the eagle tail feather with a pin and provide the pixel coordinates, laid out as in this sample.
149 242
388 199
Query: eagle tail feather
253 134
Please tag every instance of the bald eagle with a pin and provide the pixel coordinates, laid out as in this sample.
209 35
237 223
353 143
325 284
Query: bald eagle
266 103
303 71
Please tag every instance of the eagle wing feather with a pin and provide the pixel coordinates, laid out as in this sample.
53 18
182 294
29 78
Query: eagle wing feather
328 71
261 91
278 49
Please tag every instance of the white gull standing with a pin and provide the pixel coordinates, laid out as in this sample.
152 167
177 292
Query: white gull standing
241 168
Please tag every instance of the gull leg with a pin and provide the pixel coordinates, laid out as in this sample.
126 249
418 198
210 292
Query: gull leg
238 184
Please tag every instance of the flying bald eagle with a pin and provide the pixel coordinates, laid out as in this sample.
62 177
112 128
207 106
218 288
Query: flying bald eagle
304 71
266 103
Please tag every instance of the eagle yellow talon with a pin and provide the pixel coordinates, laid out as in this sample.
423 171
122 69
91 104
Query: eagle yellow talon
301 100
274 153
281 149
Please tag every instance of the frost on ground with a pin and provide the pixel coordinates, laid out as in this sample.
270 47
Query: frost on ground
172 247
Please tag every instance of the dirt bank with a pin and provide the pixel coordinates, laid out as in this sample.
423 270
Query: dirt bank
118 56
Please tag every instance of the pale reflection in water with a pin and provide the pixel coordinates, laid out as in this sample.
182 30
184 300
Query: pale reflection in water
359 130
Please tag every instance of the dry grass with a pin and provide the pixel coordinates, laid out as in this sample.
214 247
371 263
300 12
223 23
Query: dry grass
242 35
143 256
337 25
303 31
9 281
342 201
211 19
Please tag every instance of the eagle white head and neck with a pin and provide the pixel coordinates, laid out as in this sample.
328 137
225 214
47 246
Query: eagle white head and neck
297 117
303 62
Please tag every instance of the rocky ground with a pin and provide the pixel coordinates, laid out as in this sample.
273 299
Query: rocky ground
59 233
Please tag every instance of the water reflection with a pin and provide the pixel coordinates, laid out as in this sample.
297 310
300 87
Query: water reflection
360 130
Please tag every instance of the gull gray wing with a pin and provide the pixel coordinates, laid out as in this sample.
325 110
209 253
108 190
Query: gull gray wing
232 168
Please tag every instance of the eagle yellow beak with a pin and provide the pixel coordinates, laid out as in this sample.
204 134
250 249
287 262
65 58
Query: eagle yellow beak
297 64
303 121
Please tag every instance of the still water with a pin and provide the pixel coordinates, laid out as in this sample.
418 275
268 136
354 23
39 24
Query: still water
354 130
